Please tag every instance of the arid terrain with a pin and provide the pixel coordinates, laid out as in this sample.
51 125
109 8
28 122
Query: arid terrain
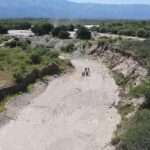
47 100
74 113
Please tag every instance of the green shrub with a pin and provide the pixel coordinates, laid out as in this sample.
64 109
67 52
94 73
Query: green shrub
18 76
18 63
83 33
24 44
11 44
35 58
129 28
139 49
53 54
143 33
120 79
104 41
137 135
144 91
69 48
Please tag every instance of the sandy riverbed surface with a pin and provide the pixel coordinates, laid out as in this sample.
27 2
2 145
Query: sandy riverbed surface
73 113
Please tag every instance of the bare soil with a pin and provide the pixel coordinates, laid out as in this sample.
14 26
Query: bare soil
73 113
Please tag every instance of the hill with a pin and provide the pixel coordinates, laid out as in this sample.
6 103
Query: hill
65 9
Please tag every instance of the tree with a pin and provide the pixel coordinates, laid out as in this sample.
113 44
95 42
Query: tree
83 33
143 33
56 31
70 27
42 29
63 35
3 30
127 32
47 27
104 29
22 26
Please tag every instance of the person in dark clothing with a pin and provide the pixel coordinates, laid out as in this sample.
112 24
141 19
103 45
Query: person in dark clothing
86 72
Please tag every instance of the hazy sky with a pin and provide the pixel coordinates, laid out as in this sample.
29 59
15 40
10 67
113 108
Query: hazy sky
116 1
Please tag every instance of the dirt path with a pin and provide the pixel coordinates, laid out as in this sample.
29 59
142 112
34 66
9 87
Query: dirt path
74 113
109 35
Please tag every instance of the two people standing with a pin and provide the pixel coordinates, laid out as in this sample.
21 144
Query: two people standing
86 72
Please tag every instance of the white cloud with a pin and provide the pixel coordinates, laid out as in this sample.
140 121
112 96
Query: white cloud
115 1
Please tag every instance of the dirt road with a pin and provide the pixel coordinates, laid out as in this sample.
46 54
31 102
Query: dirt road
109 35
74 113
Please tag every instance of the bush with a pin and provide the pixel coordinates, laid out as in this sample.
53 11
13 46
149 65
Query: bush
68 49
83 33
139 49
120 79
129 28
18 63
143 33
35 58
18 77
24 44
144 91
53 54
147 100
137 135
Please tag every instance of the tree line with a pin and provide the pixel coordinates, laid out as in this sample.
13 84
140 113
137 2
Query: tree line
43 28
129 28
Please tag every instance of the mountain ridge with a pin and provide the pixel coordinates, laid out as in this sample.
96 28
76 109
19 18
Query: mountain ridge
71 10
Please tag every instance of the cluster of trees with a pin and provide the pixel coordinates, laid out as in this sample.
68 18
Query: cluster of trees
129 28
5 26
143 33
61 32
83 33
20 26
42 29
3 30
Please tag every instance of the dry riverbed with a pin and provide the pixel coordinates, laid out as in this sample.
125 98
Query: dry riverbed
73 113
